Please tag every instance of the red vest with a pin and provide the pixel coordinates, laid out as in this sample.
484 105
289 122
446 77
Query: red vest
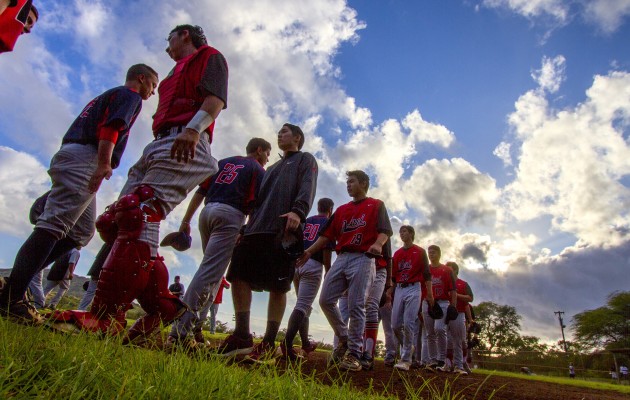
12 22
180 98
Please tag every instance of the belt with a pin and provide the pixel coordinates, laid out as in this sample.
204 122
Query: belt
169 131
405 284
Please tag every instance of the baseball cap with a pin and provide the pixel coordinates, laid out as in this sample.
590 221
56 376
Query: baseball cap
180 241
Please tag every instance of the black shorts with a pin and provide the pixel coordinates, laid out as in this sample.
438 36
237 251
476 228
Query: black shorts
260 261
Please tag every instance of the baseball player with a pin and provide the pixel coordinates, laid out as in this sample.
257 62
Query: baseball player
307 279
177 288
90 150
229 196
456 340
381 282
410 270
264 258
214 309
191 98
385 316
444 293
61 274
361 229
17 19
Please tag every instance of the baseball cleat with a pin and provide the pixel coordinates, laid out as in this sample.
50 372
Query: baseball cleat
403 366
233 346
350 363
262 353
22 312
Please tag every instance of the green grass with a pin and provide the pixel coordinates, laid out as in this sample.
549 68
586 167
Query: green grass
562 381
35 363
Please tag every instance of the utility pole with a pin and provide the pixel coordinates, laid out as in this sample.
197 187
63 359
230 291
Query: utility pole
562 326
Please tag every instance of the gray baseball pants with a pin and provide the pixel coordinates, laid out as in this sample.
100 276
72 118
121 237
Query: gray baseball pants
435 333
219 225
391 344
456 339
351 271
405 309
307 280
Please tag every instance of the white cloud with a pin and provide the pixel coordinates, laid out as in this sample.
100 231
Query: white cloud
608 15
557 9
22 179
572 162
502 151
551 74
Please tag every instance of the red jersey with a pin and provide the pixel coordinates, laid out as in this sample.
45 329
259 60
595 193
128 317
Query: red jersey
443 280
12 22
355 226
218 299
410 265
462 287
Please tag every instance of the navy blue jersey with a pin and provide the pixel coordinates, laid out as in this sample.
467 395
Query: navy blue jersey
119 106
312 228
236 183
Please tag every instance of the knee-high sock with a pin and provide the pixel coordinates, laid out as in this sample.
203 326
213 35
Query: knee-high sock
304 331
371 332
28 261
295 322
271 332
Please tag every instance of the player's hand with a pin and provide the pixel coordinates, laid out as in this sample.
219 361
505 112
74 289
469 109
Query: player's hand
430 300
293 221
375 249
303 258
184 145
185 227
102 172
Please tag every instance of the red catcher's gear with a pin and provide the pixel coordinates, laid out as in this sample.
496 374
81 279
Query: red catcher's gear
187 99
106 224
161 305
12 22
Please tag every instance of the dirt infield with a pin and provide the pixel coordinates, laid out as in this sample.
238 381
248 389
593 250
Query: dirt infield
386 380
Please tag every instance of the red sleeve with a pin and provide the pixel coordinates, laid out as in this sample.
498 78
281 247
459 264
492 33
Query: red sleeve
108 132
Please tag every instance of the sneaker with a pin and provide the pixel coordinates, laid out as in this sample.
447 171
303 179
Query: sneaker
403 365
350 363
389 361
233 345
310 347
199 337
467 368
339 353
460 371
262 353
289 353
415 364
367 362
445 367
22 312
432 367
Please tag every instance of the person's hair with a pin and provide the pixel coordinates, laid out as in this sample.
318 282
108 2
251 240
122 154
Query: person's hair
296 130
361 176
255 143
196 34
409 229
435 247
453 266
35 11
325 205
177 277
139 69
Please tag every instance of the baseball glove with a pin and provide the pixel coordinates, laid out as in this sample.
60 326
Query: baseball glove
475 328
38 208
451 314
180 241
436 312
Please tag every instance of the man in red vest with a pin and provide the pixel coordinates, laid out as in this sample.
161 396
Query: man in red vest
191 98
16 17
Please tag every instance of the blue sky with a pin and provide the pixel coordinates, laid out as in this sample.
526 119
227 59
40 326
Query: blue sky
498 128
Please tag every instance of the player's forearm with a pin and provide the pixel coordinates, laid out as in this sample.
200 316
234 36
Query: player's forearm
453 297
381 239
212 105
464 297
318 245
196 200
105 150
